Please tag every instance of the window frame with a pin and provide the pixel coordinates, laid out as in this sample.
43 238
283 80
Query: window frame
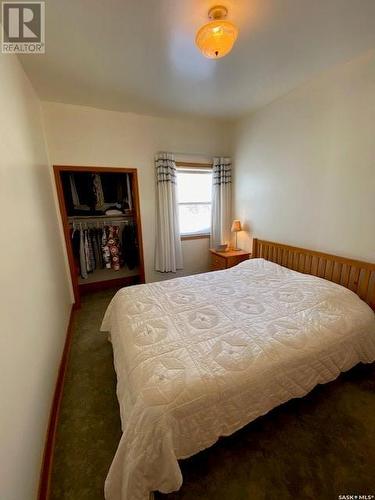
181 166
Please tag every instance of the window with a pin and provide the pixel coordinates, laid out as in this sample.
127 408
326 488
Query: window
194 193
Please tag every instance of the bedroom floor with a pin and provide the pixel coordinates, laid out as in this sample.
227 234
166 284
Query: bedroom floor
317 447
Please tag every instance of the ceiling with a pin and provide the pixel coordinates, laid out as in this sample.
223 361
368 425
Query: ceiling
140 56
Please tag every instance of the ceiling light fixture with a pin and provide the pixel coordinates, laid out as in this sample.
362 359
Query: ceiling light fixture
216 38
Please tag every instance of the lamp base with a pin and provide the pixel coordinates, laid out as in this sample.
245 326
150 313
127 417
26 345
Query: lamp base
235 248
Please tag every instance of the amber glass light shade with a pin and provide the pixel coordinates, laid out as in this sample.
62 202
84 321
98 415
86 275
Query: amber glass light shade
236 226
216 39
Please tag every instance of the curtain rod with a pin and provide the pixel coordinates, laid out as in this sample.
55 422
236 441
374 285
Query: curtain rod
189 165
202 155
193 154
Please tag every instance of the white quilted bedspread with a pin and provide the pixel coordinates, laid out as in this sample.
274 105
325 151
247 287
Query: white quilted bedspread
201 356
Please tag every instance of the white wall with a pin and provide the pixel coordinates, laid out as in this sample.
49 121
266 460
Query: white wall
35 299
78 135
305 164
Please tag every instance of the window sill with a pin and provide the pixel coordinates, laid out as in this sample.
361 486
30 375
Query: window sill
185 237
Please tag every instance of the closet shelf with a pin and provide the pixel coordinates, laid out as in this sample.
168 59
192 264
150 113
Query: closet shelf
106 274
72 218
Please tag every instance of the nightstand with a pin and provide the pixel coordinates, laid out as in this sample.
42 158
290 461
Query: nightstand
224 260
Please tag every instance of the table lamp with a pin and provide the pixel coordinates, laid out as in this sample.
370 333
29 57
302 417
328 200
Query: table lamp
236 227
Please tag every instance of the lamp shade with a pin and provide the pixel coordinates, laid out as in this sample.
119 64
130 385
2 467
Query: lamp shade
236 226
216 39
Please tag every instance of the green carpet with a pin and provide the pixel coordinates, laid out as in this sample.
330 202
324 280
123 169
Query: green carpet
317 447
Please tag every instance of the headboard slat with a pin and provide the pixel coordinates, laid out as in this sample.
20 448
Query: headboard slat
337 270
356 275
363 283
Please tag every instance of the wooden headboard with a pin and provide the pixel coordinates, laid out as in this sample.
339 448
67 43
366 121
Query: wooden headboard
353 274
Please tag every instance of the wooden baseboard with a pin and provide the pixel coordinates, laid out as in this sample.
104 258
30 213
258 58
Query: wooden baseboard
45 474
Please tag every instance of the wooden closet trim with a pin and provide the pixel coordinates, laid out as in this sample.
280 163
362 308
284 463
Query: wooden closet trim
80 168
57 170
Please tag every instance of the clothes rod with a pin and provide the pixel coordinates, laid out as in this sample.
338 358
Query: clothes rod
99 217
107 221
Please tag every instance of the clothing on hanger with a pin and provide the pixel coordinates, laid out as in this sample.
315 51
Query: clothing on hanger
108 247
105 250
95 236
130 245
82 255
75 236
88 257
114 247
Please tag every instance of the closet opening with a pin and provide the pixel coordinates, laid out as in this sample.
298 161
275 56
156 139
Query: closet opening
101 220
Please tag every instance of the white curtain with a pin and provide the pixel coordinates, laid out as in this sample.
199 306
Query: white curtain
168 252
221 201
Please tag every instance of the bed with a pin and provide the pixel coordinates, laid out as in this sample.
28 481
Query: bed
200 357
